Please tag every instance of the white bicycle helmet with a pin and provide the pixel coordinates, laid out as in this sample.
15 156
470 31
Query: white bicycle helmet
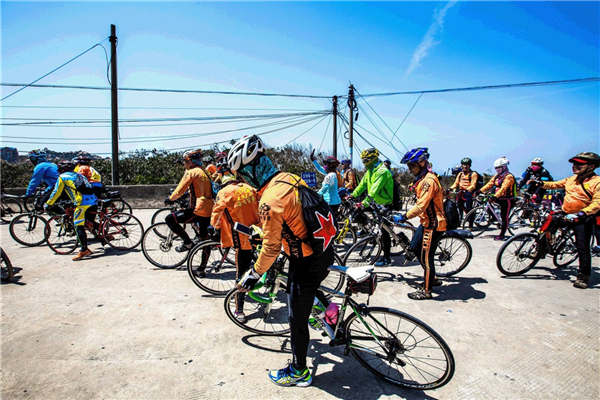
244 152
537 160
501 162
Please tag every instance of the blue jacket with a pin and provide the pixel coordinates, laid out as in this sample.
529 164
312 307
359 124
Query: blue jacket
45 172
329 189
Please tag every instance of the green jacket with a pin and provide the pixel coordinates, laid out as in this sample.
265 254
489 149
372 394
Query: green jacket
379 184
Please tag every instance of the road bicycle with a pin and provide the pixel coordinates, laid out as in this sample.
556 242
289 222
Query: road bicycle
391 344
486 217
6 267
29 228
523 251
118 230
180 204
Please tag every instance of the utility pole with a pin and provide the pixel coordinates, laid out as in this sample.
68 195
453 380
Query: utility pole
113 105
335 111
351 106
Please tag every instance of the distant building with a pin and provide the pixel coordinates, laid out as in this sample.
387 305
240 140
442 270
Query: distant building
9 154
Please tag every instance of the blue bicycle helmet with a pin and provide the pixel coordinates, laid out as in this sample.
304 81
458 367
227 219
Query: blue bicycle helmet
415 155
346 162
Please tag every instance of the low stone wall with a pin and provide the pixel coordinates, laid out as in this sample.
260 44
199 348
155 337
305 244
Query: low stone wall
138 196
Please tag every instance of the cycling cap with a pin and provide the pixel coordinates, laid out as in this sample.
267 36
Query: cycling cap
65 166
369 155
537 160
586 157
415 155
501 162
244 152
466 161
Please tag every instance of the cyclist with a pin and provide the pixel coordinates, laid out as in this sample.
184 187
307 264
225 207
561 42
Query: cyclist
506 192
388 164
329 187
349 178
538 172
430 210
466 182
43 172
280 211
322 169
582 205
379 185
236 202
83 167
79 191
201 200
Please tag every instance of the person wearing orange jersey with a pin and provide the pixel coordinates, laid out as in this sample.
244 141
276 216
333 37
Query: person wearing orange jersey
582 205
235 202
430 210
198 184
349 177
281 215
506 191
465 184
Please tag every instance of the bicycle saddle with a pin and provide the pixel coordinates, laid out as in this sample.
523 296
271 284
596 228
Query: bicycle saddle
360 274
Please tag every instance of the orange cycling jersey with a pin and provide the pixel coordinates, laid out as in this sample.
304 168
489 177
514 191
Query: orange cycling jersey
505 186
429 207
280 203
198 183
576 198
241 202
89 172
466 181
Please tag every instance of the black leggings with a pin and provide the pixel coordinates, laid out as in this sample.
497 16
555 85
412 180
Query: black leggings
187 216
583 235
465 204
243 262
306 275
505 207
426 253
90 218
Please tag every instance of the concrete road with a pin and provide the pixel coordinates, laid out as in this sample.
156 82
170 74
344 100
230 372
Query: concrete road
115 327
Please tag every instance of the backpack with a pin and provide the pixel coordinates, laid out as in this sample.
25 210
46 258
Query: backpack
318 218
397 198
451 213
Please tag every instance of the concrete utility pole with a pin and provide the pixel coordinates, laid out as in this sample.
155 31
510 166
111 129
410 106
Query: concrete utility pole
335 111
351 106
114 106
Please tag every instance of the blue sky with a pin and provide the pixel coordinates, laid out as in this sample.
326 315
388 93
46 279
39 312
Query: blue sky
318 48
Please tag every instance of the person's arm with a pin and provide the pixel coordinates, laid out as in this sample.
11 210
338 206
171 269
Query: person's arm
184 185
218 210
524 178
488 185
58 188
594 207
425 197
455 184
35 180
473 183
319 167
362 185
505 189
555 185
272 225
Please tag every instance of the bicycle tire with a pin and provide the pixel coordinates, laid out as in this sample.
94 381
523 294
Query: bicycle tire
365 251
9 209
408 340
122 231
220 273
62 237
535 257
160 214
39 225
446 250
567 246
480 225
6 268
159 251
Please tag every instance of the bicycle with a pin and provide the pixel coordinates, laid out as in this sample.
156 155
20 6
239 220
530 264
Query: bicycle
214 272
485 217
180 204
392 345
10 205
118 230
6 268
523 251
29 228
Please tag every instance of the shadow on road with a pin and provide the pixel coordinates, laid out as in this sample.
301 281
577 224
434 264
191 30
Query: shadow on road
453 288
16 278
564 274
273 344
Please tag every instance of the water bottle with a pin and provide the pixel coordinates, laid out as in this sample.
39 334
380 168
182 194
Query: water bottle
331 314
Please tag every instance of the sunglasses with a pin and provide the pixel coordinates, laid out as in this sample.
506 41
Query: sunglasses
579 163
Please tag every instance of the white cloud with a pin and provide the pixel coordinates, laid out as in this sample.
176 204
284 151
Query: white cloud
429 40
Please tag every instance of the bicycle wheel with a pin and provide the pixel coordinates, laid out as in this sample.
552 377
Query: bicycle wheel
122 231
28 229
9 208
62 238
399 348
335 278
160 214
520 218
158 246
364 251
519 254
481 220
565 253
6 267
265 309
219 269
452 255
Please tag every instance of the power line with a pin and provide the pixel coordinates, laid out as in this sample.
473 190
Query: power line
486 87
31 84
189 91
161 108
306 131
407 114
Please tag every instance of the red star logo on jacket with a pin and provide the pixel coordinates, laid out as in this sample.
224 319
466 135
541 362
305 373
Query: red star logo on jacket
327 231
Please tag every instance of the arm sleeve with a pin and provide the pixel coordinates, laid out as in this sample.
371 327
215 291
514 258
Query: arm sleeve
427 192
362 186
555 185
58 188
217 212
271 246
488 185
455 184
183 186
473 183
319 167
35 180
